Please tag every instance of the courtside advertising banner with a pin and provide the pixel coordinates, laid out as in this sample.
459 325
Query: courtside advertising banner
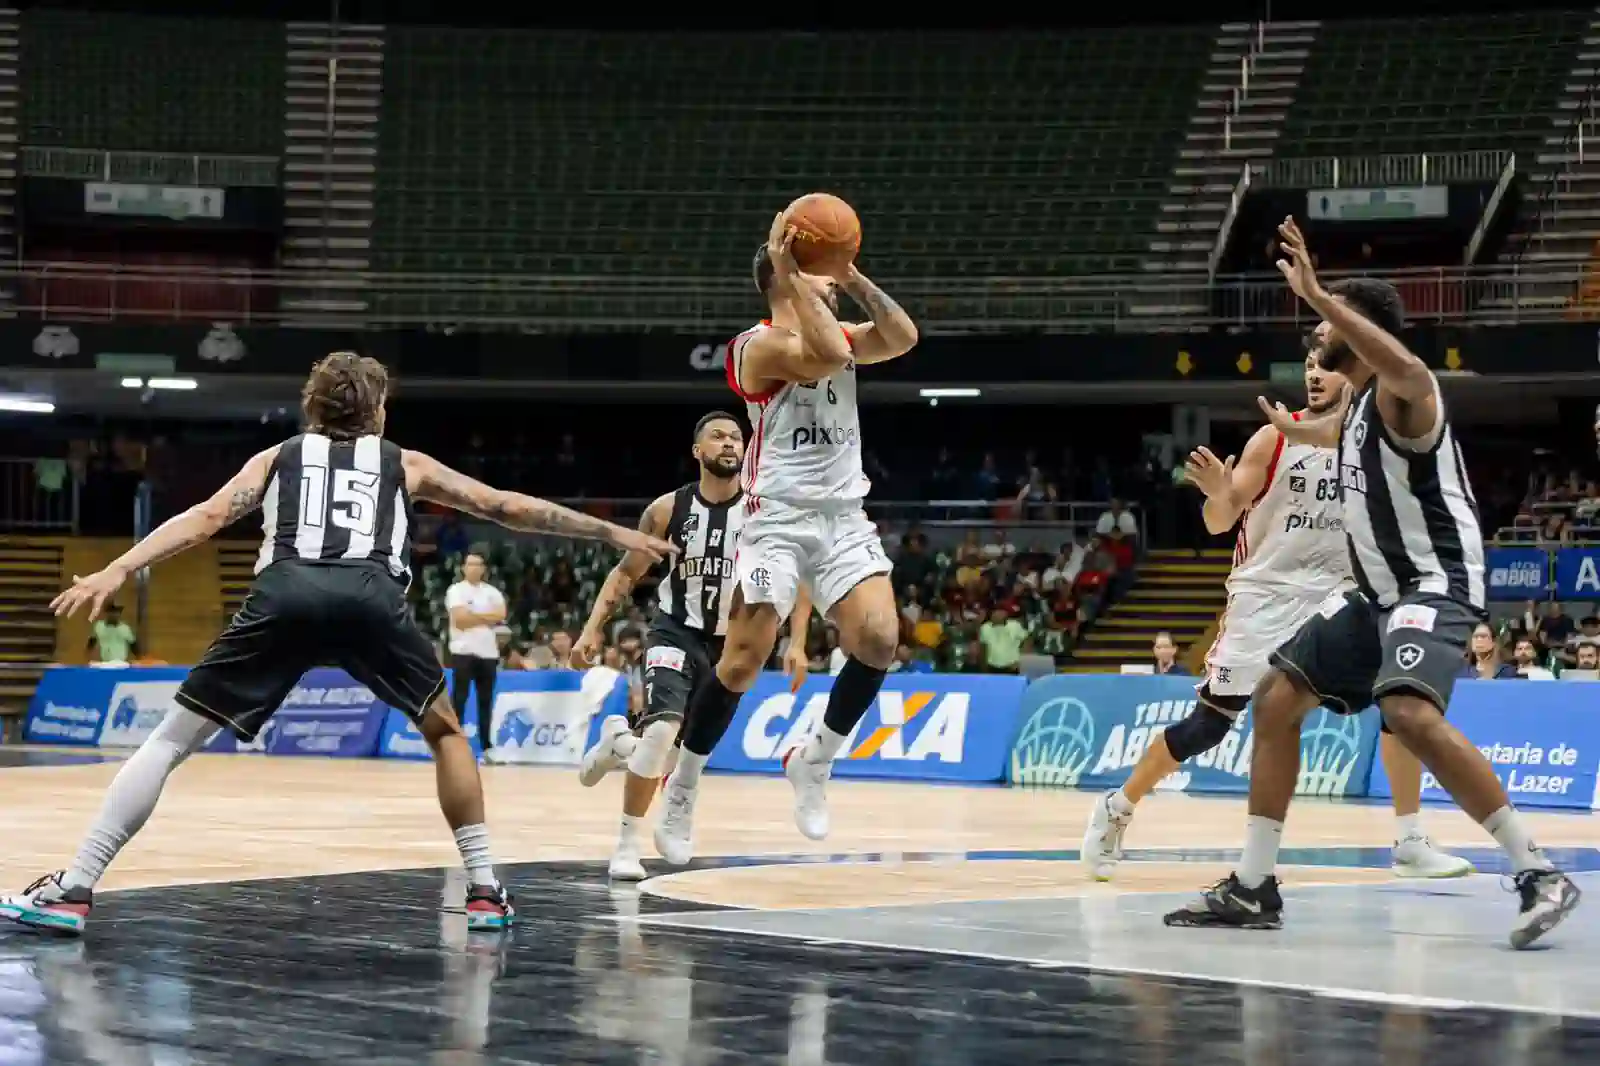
1089 730
327 713
93 706
1577 574
1518 573
1541 737
543 718
925 727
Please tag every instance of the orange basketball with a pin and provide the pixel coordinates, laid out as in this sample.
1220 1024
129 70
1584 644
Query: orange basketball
827 233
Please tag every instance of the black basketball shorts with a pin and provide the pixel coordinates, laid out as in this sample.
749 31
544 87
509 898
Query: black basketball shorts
300 615
677 661
1353 652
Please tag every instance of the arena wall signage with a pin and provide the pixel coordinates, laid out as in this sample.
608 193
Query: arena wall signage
1088 731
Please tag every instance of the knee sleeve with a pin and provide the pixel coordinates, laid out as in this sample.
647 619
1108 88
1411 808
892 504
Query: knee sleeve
1200 732
650 754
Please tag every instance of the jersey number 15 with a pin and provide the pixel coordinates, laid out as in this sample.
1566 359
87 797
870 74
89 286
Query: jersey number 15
354 505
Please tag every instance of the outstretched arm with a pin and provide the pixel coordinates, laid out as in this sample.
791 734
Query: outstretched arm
429 479
619 585
1230 488
890 334
241 495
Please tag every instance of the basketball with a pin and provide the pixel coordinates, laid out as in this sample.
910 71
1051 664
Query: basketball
828 233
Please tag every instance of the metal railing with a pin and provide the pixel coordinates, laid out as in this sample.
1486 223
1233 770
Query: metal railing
150 168
38 494
1381 171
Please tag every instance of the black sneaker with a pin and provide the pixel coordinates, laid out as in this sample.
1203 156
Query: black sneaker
1548 896
1228 904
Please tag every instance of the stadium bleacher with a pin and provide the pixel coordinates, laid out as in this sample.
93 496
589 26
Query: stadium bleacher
583 154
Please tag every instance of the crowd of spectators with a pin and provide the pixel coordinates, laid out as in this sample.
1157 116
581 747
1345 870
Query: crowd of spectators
1539 642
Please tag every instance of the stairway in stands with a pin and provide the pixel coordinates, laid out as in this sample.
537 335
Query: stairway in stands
1251 82
1174 591
30 577
1559 227
236 563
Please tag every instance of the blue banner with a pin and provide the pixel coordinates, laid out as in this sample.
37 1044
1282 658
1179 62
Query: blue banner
926 727
1578 574
1518 573
1089 730
540 716
104 706
1541 737
327 713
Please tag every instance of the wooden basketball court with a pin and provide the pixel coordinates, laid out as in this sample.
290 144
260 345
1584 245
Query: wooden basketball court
243 817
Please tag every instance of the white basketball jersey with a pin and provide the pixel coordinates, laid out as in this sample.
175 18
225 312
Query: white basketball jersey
805 446
1292 536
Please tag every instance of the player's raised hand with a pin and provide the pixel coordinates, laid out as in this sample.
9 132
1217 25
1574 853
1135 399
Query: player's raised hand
632 540
94 590
780 239
796 665
1321 431
1206 472
1296 266
586 651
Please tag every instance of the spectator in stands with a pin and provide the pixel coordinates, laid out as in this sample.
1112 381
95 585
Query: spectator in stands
1099 567
1525 658
998 547
1588 658
1064 570
1165 651
915 567
986 482
1001 637
927 632
1554 630
561 589
1483 656
906 662
1525 623
111 640
1117 519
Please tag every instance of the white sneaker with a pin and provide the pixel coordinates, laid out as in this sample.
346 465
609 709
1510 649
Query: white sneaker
1102 841
810 780
1415 856
604 757
625 864
675 832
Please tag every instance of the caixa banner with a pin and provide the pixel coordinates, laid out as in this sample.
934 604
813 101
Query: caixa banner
1088 731
1541 737
927 727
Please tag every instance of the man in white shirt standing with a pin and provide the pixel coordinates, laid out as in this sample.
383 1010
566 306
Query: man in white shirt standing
476 607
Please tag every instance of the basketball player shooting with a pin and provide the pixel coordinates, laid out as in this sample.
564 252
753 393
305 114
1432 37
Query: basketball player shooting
329 590
1289 557
804 487
1398 638
704 520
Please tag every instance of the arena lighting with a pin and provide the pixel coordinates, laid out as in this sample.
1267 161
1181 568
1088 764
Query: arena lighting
133 383
26 405
949 394
184 384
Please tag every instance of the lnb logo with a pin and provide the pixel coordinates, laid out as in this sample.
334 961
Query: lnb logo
1055 746
1330 747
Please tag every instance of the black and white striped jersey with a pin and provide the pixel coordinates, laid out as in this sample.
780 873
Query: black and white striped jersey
696 590
1410 519
337 501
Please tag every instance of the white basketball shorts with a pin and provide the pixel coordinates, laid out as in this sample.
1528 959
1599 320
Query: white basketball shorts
1256 623
832 551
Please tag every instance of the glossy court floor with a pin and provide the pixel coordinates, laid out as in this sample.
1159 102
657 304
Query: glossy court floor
283 910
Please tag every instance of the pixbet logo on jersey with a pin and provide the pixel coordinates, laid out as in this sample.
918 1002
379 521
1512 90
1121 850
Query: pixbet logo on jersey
821 435
1321 522
901 726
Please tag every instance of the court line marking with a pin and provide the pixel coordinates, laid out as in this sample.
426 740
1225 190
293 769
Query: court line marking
1399 999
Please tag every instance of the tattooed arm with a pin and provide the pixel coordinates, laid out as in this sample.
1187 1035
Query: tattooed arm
241 495
618 586
429 479
890 334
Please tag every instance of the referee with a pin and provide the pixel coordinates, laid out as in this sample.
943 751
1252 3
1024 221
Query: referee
476 607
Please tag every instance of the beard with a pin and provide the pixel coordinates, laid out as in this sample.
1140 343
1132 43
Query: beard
1322 406
1337 358
721 466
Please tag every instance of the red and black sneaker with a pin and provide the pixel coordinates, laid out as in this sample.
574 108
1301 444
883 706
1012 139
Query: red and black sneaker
489 908
48 904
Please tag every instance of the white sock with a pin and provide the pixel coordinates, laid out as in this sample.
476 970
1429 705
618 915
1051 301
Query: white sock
1261 839
689 766
134 792
473 843
1120 803
823 745
1407 826
630 829
1505 825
